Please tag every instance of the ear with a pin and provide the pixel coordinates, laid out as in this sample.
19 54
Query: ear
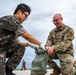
61 18
19 11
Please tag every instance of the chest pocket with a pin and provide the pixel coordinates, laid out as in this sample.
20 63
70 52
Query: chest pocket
59 36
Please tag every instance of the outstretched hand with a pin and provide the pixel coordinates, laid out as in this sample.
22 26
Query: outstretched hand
42 46
31 45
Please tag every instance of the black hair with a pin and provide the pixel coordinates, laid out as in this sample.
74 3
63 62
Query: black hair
23 7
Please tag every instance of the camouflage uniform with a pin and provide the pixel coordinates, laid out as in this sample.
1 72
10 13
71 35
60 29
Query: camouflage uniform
61 39
14 51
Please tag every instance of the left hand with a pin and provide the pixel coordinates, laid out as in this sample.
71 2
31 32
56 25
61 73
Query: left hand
31 45
50 50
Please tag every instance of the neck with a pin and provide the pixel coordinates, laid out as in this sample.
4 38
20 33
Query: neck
60 26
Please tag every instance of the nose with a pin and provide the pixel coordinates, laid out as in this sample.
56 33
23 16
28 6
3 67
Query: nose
55 22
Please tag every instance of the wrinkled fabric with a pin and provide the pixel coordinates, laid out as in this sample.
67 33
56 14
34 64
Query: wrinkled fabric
40 62
9 47
61 39
2 62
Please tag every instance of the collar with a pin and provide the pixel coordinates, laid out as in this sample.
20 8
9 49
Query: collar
62 28
16 19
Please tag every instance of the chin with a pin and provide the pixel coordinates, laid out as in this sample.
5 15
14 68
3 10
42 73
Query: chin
21 22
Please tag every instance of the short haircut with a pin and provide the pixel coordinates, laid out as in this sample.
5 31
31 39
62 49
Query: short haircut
23 7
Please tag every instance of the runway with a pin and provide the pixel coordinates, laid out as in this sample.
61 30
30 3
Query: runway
27 72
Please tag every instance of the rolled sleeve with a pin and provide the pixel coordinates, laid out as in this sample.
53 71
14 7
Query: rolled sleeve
20 31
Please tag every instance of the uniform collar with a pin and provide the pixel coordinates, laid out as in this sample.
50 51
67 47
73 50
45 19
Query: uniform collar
62 28
16 19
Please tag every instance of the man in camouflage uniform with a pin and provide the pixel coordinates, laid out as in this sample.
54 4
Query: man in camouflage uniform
15 50
74 64
59 45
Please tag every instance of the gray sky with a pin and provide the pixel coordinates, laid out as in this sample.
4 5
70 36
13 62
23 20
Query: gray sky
39 22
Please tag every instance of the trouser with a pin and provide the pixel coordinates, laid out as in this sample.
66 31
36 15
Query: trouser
66 63
14 53
23 68
2 62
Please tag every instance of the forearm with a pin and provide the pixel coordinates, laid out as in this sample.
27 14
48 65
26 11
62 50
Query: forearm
31 38
23 43
34 41
63 46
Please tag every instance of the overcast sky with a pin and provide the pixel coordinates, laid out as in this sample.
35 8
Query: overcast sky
39 22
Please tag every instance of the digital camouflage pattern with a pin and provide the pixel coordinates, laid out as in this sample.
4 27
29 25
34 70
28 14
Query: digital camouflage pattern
7 33
2 62
11 50
61 39
15 52
74 64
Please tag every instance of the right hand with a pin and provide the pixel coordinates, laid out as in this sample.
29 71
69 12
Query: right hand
42 46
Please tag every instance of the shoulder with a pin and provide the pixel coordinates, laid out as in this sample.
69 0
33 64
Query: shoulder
68 27
10 21
10 18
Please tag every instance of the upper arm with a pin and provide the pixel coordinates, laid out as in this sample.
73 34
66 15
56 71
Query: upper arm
26 35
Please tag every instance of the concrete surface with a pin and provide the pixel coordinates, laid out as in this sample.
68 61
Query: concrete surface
27 72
